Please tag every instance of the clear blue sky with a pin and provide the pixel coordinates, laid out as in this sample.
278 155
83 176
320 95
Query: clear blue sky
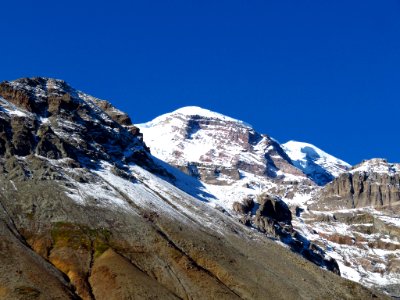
324 72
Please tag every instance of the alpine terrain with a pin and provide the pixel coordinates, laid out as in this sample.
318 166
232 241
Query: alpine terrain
347 213
86 212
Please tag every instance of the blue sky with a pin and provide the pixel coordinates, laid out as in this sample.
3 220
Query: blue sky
324 72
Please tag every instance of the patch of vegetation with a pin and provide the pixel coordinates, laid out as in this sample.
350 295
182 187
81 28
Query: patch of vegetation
77 236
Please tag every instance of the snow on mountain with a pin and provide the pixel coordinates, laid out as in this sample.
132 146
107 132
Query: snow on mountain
228 155
357 217
191 134
233 161
376 165
83 201
75 165
320 166
372 183
195 111
364 241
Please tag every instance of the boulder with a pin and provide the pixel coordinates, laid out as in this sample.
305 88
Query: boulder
274 208
245 206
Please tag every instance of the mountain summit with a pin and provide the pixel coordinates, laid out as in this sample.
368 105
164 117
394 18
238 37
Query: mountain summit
320 166
199 112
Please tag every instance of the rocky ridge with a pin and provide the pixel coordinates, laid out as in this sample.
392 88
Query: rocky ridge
87 213
48 118
372 183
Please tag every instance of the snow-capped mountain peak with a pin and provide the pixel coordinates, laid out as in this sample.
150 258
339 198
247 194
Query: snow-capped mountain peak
223 151
376 165
317 164
194 112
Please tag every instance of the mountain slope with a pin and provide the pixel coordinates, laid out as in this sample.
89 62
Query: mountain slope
96 216
320 166
357 215
363 241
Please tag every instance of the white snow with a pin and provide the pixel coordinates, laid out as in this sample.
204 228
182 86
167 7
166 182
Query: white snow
13 184
165 138
194 111
358 261
147 192
11 109
377 165
310 159
300 151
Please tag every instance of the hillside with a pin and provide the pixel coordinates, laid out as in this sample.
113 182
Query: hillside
87 212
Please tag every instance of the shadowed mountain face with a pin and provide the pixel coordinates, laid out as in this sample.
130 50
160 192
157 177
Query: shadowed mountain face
318 165
86 212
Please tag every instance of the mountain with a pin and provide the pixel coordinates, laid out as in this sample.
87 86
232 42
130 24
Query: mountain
320 166
357 216
345 212
86 212
229 153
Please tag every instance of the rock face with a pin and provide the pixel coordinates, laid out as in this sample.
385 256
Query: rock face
87 213
273 218
274 208
363 241
373 183
50 119
245 206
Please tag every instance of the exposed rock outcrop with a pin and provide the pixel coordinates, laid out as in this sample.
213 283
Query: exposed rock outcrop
274 208
40 107
220 150
273 218
245 206
357 216
373 183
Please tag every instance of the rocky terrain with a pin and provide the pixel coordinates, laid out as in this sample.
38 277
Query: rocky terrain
357 216
87 213
348 213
